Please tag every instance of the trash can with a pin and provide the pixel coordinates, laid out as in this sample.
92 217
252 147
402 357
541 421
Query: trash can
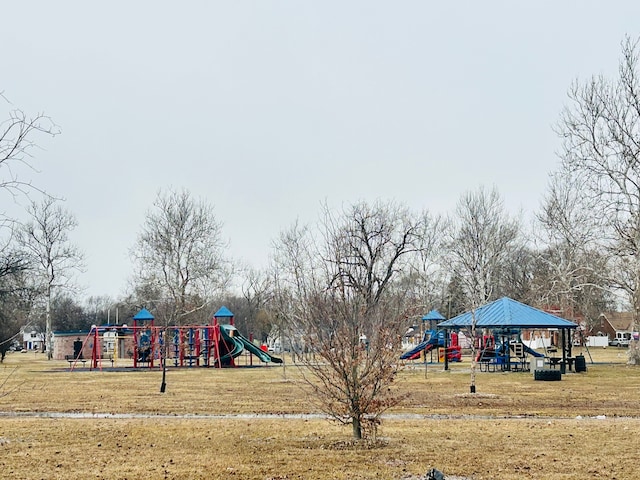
581 363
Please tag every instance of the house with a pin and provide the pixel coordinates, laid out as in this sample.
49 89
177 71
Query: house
617 326
32 340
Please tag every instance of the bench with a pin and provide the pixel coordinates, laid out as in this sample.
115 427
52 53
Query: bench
488 365
518 364
71 359
554 361
567 362
492 364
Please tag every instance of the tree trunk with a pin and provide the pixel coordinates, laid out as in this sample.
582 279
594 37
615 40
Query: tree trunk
163 385
357 428
474 363
48 337
163 361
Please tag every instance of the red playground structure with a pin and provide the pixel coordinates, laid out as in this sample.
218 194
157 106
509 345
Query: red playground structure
217 344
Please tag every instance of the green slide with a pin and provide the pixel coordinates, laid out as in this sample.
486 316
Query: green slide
234 344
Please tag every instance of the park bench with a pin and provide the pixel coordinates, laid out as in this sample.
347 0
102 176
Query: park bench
71 359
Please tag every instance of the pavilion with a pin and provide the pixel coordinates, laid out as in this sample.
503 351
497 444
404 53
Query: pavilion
507 315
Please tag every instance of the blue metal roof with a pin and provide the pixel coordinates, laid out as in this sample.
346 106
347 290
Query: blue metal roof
433 315
224 312
143 314
507 313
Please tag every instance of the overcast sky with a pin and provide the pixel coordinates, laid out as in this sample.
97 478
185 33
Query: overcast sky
268 108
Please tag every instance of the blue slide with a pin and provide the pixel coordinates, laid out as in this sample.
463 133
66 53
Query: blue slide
531 351
427 346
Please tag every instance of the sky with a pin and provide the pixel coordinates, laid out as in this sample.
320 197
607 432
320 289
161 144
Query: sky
267 109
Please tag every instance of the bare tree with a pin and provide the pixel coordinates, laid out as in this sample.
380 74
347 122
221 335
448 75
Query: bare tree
179 254
424 278
572 265
600 128
256 291
515 277
339 283
16 146
480 242
45 238
15 298
17 143
285 276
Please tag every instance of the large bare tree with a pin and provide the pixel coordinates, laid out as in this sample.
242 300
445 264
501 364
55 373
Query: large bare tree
179 254
572 265
45 239
18 134
600 128
481 242
338 281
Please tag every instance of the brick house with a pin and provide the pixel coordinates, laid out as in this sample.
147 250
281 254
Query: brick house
615 325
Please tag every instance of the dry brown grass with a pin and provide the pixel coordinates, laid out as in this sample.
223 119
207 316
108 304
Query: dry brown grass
548 443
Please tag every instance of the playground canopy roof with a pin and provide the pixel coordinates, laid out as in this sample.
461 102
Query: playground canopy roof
143 314
507 313
223 312
433 315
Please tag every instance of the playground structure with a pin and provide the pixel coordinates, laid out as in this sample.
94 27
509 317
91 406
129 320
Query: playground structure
498 328
506 354
436 339
216 345
496 350
505 319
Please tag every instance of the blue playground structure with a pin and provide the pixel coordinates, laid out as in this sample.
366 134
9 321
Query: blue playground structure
433 339
507 354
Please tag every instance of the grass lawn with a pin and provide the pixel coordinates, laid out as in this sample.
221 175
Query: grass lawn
513 428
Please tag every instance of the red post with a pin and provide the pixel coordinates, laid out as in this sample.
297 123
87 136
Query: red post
152 347
251 354
216 346
135 344
96 348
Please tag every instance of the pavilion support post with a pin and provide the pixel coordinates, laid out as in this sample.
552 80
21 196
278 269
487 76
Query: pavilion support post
563 364
446 345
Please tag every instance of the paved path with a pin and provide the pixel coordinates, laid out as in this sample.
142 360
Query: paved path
292 416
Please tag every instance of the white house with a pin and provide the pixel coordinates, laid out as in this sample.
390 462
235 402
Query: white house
32 340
